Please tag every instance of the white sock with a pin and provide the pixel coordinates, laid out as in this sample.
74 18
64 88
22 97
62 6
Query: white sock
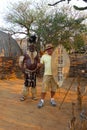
42 100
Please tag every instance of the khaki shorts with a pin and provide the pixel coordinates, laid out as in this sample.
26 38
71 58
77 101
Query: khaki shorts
49 84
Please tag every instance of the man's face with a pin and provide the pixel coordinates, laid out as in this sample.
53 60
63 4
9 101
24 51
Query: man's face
31 48
50 51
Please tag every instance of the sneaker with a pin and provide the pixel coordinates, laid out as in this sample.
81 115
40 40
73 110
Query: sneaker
22 98
40 104
34 98
53 103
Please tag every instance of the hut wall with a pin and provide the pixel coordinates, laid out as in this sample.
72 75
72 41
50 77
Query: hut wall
78 65
9 68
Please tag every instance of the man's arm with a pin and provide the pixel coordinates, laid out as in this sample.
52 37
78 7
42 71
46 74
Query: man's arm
21 58
39 65
21 63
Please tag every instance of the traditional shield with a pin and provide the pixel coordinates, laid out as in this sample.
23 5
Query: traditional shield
60 64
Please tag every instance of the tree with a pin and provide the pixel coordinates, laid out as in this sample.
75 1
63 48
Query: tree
55 26
23 16
58 27
78 42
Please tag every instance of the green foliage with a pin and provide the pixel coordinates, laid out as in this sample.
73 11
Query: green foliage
55 26
78 42
58 29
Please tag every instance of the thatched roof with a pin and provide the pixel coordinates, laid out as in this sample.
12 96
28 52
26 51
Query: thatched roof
8 46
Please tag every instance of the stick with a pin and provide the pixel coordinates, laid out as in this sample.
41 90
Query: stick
67 92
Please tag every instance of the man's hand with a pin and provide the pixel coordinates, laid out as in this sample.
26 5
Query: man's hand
39 65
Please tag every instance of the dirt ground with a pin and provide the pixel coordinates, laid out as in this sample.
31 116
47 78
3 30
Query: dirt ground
25 115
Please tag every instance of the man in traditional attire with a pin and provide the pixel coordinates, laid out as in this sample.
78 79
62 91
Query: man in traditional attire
28 64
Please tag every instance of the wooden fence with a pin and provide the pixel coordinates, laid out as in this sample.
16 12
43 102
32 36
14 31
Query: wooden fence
9 68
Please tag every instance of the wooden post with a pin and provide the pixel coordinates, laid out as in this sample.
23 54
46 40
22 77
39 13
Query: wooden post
79 95
73 119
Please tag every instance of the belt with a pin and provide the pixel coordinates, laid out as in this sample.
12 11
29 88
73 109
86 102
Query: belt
28 71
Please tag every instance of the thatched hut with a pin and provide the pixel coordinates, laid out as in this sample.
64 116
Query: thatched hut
9 54
8 46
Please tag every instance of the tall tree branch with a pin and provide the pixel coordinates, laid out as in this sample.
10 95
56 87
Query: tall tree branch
75 7
80 8
56 3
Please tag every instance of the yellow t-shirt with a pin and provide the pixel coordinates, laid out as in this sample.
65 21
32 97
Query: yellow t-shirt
46 60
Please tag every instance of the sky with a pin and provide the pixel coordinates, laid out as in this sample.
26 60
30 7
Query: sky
5 3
